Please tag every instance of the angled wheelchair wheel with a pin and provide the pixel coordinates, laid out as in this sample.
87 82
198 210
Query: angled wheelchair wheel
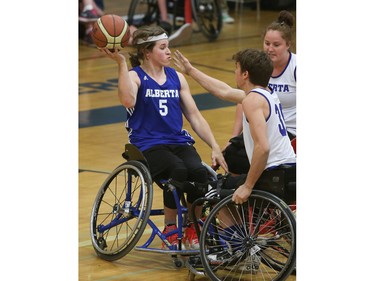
143 12
252 241
121 210
207 14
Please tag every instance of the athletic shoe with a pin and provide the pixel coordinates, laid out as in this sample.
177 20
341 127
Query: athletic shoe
88 16
213 189
249 265
235 263
166 26
211 192
222 258
172 239
182 35
227 18
191 238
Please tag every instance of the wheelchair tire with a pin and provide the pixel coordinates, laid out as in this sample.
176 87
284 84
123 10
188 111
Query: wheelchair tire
121 210
143 12
261 242
207 14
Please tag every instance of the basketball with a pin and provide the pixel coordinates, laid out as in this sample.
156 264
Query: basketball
110 31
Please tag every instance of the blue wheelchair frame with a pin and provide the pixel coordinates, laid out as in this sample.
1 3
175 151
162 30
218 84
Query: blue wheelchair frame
123 211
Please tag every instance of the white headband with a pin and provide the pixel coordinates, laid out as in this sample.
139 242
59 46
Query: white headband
153 38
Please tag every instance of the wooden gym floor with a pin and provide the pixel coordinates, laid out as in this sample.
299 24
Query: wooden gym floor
102 135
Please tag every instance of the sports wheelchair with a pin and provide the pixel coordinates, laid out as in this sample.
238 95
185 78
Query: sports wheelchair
252 241
206 13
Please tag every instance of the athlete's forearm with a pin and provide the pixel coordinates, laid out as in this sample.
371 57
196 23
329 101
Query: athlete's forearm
203 130
257 164
125 86
216 87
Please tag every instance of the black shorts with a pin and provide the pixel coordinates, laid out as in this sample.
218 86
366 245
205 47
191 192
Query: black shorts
164 159
178 162
236 157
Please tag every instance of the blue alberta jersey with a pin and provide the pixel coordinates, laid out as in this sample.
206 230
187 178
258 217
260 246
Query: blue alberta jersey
157 116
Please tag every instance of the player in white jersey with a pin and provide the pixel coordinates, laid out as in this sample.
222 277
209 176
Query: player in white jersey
284 85
277 41
266 139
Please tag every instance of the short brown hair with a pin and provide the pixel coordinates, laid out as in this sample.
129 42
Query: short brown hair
257 63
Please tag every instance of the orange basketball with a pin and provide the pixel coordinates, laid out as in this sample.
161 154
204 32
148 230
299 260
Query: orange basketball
110 31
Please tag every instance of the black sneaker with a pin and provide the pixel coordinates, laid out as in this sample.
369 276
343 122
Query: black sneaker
195 261
181 36
166 26
88 16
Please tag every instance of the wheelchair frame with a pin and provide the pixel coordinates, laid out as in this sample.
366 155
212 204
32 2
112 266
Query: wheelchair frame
123 207
264 247
206 13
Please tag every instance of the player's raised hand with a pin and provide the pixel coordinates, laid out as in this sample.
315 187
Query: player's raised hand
182 62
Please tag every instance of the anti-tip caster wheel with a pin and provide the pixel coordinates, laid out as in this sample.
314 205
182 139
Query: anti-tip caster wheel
178 263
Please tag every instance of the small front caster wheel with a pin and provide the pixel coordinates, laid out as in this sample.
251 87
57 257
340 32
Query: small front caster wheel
178 263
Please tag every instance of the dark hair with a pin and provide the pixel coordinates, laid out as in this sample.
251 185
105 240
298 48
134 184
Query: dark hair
283 24
143 33
257 63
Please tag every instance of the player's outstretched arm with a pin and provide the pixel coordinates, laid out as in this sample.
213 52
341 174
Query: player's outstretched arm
214 86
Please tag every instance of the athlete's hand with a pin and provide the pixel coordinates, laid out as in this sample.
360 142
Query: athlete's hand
114 55
241 194
182 63
217 158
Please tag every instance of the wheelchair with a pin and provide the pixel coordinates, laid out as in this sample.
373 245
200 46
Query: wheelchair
262 245
252 241
206 13
123 207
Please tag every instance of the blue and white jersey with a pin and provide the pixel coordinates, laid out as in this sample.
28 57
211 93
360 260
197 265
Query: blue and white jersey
157 117
281 151
285 87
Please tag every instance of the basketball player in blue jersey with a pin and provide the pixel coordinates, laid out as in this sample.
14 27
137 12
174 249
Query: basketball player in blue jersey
156 98
266 139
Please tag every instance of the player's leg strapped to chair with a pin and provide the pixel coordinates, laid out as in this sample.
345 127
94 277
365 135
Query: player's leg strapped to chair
181 164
